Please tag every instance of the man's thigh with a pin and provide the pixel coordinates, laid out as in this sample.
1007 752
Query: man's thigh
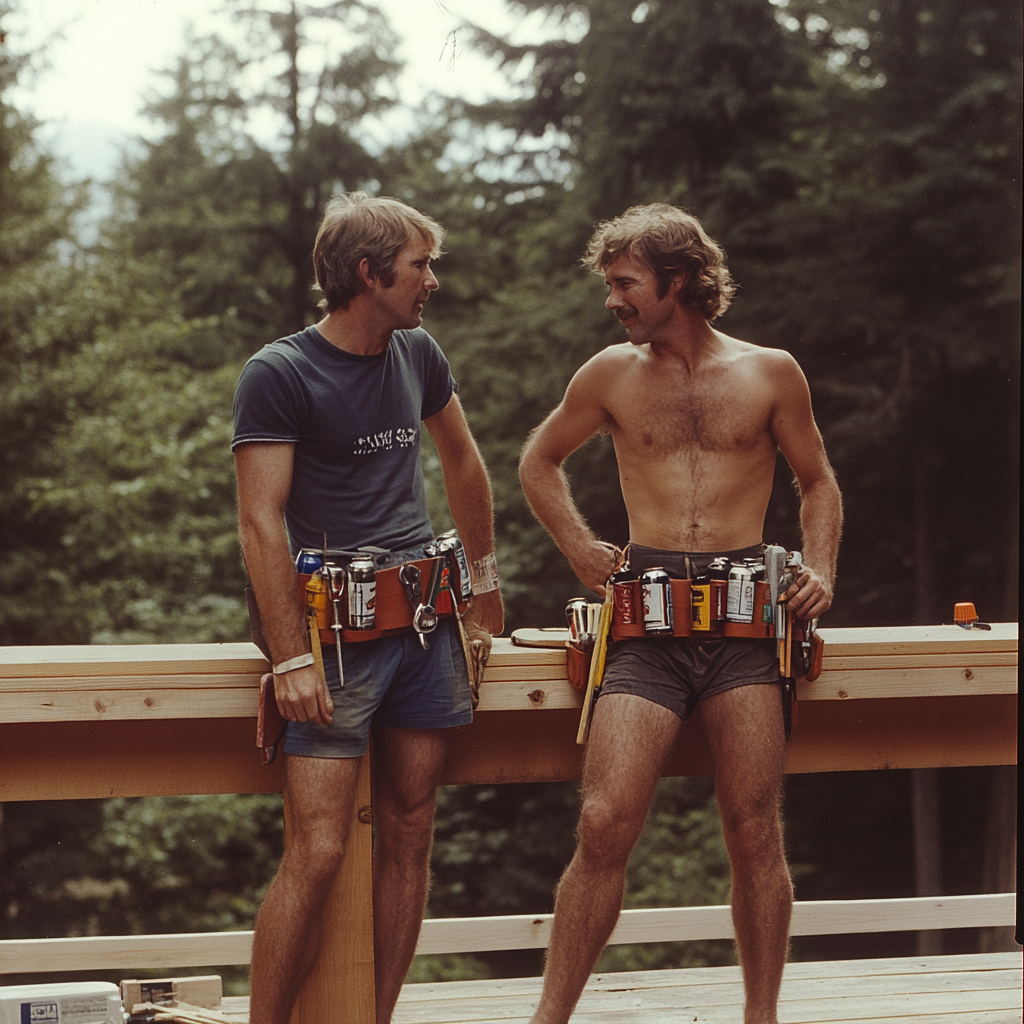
630 740
320 794
744 730
407 767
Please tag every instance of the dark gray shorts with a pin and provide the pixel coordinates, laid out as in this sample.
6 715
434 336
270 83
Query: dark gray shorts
679 672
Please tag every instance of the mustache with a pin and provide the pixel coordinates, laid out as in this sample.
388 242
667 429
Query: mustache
625 314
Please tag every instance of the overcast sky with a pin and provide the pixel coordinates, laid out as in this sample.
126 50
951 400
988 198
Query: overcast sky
109 50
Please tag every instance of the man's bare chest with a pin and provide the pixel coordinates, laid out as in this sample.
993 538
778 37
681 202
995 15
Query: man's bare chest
727 415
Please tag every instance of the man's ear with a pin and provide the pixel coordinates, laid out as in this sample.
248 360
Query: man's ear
677 283
366 274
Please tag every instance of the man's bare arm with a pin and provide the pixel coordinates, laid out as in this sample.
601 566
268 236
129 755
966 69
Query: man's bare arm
264 480
576 419
821 504
469 498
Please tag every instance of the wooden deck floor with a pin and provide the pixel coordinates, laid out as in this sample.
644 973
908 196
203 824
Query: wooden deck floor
973 989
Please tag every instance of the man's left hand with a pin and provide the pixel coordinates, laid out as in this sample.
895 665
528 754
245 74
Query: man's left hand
809 595
487 611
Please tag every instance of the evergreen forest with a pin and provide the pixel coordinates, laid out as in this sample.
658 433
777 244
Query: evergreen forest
859 160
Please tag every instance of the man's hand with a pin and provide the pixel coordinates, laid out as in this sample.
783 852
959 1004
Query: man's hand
487 611
809 595
302 696
594 562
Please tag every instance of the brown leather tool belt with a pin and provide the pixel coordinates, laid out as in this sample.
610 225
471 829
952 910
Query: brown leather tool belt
393 609
628 596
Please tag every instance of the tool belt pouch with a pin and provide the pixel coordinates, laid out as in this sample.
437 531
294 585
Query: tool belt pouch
628 595
392 609
577 664
270 723
810 669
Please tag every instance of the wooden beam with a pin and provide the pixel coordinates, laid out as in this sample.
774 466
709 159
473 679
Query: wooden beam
340 988
521 931
95 760
161 682
679 924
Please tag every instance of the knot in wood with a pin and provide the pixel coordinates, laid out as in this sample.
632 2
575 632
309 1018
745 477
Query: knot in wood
365 815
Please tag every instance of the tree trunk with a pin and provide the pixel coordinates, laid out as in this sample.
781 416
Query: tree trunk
927 849
925 781
999 870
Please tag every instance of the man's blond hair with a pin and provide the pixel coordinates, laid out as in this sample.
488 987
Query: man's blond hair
357 227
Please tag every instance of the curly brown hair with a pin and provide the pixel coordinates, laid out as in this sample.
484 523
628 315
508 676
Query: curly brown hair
668 241
357 227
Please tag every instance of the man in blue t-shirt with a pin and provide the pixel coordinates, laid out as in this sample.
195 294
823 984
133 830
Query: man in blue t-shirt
327 442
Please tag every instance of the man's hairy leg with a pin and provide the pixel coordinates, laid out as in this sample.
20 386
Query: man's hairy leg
320 793
407 766
630 738
744 730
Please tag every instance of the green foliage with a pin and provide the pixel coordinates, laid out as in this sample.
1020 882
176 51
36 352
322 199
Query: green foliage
161 864
858 161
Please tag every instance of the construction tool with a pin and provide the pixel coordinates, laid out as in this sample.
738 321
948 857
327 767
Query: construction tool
410 576
424 619
775 568
334 592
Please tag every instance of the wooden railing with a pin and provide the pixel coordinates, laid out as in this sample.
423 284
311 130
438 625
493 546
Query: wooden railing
93 722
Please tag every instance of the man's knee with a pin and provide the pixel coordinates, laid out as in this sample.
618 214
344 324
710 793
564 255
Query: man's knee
317 857
753 834
608 832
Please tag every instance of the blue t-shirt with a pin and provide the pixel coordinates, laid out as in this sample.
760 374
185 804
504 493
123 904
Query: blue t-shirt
355 424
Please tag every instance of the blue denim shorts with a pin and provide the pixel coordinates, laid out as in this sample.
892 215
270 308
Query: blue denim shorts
391 682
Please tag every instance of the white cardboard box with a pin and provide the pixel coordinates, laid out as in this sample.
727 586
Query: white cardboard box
74 1002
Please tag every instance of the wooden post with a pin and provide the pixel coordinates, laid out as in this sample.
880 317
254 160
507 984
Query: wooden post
340 988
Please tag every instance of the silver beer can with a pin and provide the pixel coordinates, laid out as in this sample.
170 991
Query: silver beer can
739 598
656 594
361 584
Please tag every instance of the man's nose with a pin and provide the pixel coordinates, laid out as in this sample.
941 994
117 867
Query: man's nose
613 301
431 281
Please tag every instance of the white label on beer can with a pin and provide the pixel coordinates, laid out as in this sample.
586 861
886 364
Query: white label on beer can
656 614
361 604
740 601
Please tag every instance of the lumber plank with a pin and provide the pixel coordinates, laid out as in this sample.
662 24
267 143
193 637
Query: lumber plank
129 705
982 988
128 952
454 935
169 681
128 659
673 924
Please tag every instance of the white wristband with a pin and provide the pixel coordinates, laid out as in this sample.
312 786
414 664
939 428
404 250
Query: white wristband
483 574
299 661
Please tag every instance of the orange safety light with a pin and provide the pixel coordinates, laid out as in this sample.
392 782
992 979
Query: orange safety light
964 614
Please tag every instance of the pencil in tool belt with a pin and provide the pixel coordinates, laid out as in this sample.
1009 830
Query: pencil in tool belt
604 625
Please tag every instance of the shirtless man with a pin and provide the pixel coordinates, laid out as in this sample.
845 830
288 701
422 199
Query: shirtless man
696 417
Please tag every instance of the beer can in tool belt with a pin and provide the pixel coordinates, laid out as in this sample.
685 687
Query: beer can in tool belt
451 587
718 571
576 620
307 561
361 584
656 592
318 599
739 605
465 583
700 604
624 595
